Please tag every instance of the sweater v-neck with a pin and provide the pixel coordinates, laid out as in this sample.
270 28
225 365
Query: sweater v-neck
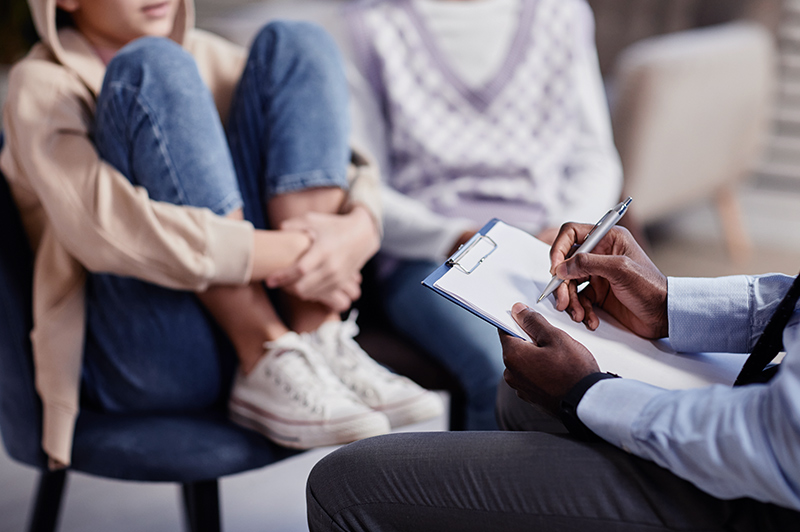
479 97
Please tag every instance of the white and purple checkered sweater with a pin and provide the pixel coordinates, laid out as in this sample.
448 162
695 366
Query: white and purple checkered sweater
506 145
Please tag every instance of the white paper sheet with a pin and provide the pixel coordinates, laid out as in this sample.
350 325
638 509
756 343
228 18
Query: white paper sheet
517 270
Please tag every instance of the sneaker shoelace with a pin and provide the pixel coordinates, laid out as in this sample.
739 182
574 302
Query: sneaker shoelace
350 358
303 376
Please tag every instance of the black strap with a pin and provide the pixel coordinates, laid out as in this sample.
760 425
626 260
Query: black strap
568 412
770 343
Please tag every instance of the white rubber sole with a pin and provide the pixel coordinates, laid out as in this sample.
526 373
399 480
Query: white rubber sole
307 434
422 407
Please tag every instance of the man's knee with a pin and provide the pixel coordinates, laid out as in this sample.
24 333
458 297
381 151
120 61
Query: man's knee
328 480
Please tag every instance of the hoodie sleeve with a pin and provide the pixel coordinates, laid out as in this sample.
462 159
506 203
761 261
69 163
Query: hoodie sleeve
99 217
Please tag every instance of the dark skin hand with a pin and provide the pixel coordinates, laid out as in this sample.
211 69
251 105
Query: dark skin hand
623 281
544 370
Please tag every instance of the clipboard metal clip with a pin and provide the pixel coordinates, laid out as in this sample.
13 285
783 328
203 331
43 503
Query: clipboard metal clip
484 245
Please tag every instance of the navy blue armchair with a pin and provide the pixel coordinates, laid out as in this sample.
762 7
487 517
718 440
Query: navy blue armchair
193 449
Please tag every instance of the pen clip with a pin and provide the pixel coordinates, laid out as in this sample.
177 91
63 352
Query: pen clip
455 261
606 215
620 209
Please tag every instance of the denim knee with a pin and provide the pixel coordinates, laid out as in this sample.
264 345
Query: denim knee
160 57
299 44
294 77
157 123
155 68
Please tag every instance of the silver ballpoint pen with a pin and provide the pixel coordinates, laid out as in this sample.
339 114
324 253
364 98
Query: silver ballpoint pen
597 233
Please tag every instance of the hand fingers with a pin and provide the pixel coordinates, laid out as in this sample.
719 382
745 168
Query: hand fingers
514 351
585 265
312 268
590 319
569 235
533 323
320 288
285 277
337 301
574 309
587 299
306 265
562 296
352 290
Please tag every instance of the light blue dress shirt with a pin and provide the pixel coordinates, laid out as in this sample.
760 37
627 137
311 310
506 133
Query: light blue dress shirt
729 442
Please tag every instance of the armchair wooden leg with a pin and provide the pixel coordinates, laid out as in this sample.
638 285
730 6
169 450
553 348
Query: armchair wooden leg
730 214
44 516
201 501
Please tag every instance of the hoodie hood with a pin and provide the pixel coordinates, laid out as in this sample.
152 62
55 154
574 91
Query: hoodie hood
74 52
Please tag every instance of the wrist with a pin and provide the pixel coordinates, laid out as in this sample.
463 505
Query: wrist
568 409
365 218
276 250
366 227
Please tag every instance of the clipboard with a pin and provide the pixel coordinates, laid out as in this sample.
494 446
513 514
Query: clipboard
492 271
501 265
466 260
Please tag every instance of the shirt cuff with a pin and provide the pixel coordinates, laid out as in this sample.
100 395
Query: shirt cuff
694 307
611 406
230 247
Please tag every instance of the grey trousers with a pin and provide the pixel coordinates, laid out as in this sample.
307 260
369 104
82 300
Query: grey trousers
535 477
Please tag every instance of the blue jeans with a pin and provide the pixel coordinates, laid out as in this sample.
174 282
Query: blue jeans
468 347
149 348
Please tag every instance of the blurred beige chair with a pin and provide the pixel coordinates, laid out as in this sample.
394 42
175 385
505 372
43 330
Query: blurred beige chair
690 113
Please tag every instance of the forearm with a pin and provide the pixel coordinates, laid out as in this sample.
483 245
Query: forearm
274 251
104 222
729 442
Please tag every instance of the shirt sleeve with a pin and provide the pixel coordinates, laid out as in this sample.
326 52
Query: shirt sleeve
721 315
729 442
100 218
593 181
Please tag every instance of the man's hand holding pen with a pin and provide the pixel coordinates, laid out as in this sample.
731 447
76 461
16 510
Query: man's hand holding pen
623 281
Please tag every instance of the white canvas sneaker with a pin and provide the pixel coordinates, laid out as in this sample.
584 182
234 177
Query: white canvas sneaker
292 398
401 399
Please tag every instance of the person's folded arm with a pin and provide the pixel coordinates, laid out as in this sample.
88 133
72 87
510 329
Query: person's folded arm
99 216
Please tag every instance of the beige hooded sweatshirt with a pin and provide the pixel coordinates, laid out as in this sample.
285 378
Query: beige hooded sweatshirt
81 214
